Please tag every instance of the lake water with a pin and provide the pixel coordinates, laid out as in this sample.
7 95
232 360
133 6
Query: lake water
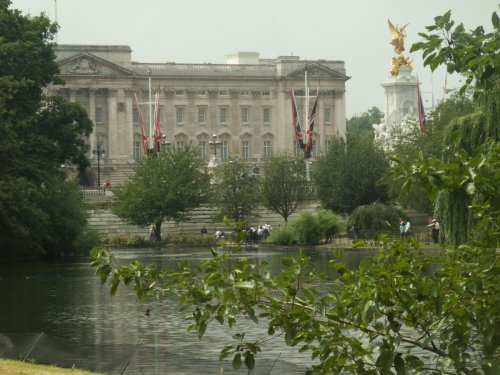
66 301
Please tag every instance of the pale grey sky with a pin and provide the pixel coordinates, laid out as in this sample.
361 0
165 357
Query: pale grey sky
197 31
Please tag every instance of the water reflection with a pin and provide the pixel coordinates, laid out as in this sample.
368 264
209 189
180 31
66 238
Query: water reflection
66 299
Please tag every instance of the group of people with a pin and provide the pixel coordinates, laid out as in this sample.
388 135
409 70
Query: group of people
254 234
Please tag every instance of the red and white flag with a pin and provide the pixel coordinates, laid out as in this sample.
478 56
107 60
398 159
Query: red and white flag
311 121
141 124
296 123
157 131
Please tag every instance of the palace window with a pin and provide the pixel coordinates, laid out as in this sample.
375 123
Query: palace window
202 146
181 145
266 116
244 116
328 144
225 150
328 115
135 117
179 115
245 149
202 115
223 115
99 115
137 150
267 149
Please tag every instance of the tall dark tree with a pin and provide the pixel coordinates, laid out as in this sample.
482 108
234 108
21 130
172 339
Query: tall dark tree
347 175
164 188
285 186
37 135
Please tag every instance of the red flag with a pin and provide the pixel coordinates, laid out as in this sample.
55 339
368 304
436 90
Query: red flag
311 121
296 123
157 131
421 114
141 124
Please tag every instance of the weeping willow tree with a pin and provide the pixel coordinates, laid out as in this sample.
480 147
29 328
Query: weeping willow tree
473 54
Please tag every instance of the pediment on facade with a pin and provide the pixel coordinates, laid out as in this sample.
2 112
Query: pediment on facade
202 134
245 134
316 70
225 135
180 135
267 135
89 64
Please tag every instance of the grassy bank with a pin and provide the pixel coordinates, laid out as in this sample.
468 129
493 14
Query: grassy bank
11 367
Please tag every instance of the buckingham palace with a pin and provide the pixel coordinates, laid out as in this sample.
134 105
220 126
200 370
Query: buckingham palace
245 104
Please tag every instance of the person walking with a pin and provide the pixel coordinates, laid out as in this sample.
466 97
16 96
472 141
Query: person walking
434 225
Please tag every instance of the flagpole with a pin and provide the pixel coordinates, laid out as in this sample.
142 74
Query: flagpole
306 111
150 146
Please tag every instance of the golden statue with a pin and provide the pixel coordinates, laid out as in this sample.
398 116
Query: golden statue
398 41
398 37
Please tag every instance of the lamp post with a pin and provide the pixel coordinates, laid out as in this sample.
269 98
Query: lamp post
214 143
164 143
99 153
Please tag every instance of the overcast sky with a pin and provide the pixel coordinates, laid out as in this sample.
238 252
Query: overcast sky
198 31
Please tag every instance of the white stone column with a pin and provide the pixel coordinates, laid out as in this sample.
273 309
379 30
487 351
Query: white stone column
283 134
339 115
128 128
112 126
92 137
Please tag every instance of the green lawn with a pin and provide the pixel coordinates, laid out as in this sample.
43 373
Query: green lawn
12 367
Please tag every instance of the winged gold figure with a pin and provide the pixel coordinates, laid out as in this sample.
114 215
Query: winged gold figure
398 37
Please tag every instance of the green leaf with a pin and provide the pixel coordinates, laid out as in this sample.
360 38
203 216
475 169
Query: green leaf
237 361
249 360
385 359
399 365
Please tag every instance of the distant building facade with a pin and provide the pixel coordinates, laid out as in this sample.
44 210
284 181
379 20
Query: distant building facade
245 103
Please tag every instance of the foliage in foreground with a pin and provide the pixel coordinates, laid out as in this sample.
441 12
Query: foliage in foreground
397 312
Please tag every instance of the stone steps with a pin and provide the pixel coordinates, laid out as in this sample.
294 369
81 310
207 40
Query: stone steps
105 221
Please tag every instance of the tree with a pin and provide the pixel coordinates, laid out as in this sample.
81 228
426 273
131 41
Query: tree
473 54
235 189
347 175
284 184
37 135
431 145
164 188
362 124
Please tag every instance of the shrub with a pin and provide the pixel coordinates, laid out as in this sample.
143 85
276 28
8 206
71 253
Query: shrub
307 229
329 223
282 236
126 240
375 217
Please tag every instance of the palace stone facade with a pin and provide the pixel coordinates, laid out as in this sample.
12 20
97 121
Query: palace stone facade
245 102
